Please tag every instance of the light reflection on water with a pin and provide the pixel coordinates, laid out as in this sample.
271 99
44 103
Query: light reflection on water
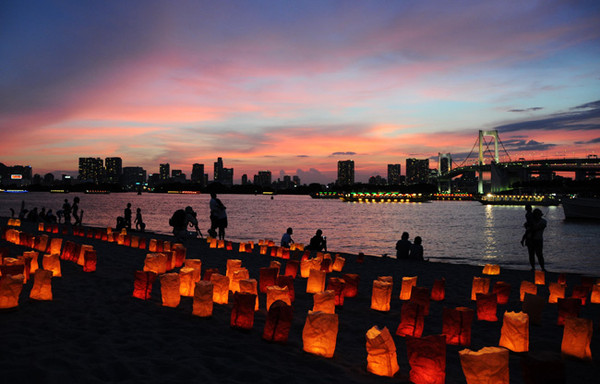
462 232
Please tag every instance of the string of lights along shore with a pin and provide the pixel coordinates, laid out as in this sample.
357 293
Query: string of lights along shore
110 170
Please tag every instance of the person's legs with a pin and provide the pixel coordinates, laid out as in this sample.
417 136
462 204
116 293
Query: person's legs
539 250
531 251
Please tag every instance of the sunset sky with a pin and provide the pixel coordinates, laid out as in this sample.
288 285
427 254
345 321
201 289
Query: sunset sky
294 86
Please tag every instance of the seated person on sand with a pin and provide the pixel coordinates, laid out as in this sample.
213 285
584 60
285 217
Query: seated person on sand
416 250
318 242
286 239
403 247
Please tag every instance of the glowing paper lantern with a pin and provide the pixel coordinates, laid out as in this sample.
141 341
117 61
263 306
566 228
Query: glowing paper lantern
263 249
220 289
326 265
480 285
319 334
68 252
203 299
186 282
250 286
278 323
275 293
232 265
533 306
338 264
90 259
324 302
287 281
527 287
305 267
540 278
595 297
55 246
142 284
489 365
81 259
412 320
491 269
208 273
557 291
152 247
196 265
567 308
336 285
242 313
514 334
581 292
275 264
267 277
407 284
456 325
179 253
10 289
351 286
427 359
236 276
486 307
52 263
381 352
169 289
135 241
438 291
421 296
156 262
316 281
42 285
291 268
577 336
142 244
41 243
381 296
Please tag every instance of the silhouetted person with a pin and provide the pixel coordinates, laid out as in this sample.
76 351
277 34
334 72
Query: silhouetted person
318 242
535 242
180 221
218 217
59 216
76 213
528 223
50 218
139 223
42 214
120 223
416 250
403 247
22 211
32 215
66 208
127 216
286 239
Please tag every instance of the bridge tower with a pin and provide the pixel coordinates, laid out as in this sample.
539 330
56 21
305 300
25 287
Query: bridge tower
444 166
482 134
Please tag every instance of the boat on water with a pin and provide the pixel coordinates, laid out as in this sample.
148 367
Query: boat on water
384 197
543 200
581 208
96 192
326 195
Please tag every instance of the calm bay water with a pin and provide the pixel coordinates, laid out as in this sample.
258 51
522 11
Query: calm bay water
454 232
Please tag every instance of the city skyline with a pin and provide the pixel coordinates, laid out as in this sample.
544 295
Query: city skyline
295 87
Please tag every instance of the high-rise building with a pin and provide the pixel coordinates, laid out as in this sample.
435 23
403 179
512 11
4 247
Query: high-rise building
91 169
244 179
393 174
218 170
164 171
417 171
178 176
198 174
133 177
227 178
223 175
114 169
263 179
345 172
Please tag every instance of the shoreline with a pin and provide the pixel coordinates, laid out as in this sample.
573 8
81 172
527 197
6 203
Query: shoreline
95 331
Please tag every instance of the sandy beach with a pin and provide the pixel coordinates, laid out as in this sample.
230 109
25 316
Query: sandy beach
95 331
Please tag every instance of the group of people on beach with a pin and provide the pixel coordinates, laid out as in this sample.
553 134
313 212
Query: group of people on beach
406 250
317 243
124 222
66 212
533 237
183 219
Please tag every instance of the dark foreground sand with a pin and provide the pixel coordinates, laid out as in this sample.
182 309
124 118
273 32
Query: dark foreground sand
94 331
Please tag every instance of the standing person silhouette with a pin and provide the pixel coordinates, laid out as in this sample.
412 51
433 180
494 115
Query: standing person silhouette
139 223
535 241
76 214
127 216
218 217
67 211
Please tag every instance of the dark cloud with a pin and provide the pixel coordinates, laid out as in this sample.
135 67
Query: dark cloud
532 109
303 156
343 154
593 141
525 145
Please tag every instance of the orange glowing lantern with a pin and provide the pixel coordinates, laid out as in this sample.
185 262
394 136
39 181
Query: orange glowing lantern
263 249
577 336
10 289
55 246
338 264
305 267
595 296
291 268
242 313
274 251
208 273
52 263
267 277
90 260
275 293
502 291
238 275
41 243
152 247
326 265
275 264
567 308
142 284
557 291
26 262
319 334
214 242
250 286
232 264
156 262
287 281
581 292
68 252
135 241
179 254
456 325
527 287
351 286
491 269
381 352
220 289
427 359
278 323
187 284
203 299
486 307
83 248
324 302
412 320
336 285
141 245
514 334
421 296
480 285
285 254
407 284
381 296
438 291
533 306
196 265
488 365
540 278
316 281
42 285
169 289
40 227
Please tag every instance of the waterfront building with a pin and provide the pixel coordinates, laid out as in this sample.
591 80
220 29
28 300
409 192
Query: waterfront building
244 179
221 174
164 171
91 170
114 169
345 172
178 176
417 171
133 177
393 174
263 179
198 174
